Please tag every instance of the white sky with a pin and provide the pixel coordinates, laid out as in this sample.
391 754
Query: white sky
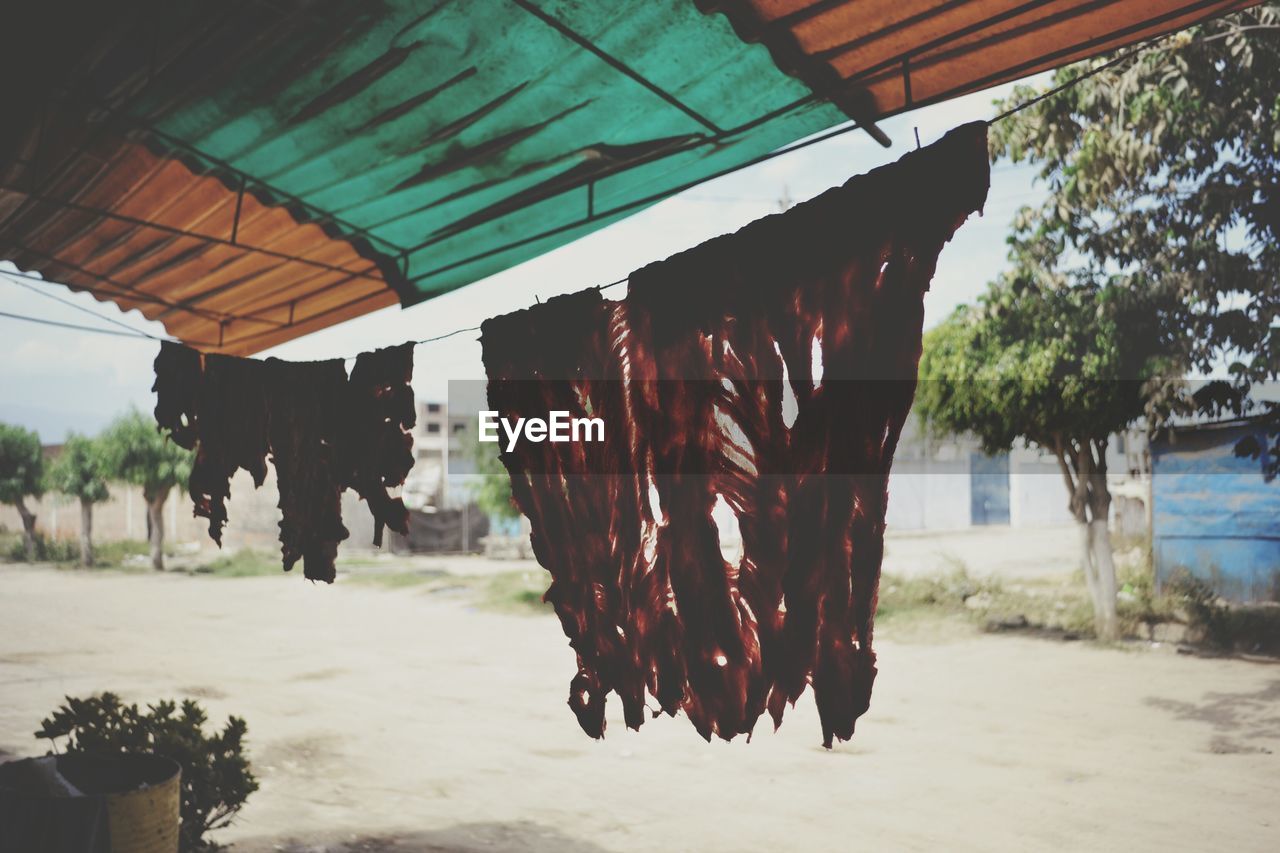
55 380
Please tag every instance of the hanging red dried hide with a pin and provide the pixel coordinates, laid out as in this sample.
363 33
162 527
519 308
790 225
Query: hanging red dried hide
690 373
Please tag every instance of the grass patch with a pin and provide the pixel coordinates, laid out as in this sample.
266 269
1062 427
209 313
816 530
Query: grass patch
516 592
127 554
928 605
245 563
123 552
397 579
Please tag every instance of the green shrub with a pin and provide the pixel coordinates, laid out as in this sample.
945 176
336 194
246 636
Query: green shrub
47 550
216 779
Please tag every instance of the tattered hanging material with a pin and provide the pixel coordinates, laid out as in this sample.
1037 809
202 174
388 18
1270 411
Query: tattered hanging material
231 432
688 373
588 518
323 432
380 441
307 411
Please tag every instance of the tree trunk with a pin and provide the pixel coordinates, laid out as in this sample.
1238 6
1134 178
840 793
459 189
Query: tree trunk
1088 567
1105 569
155 528
86 533
1084 470
28 529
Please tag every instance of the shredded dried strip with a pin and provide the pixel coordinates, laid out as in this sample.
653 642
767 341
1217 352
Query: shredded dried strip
307 418
379 443
689 373
323 432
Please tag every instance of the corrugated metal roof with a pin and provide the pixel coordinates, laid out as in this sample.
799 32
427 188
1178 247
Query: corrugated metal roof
397 149
234 285
882 57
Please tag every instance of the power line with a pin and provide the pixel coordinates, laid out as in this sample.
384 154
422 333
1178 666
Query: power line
82 308
76 326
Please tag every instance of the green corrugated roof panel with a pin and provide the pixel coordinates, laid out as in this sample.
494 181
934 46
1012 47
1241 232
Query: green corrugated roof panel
449 130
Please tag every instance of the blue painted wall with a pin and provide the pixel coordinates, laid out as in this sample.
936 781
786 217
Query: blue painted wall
1213 513
988 489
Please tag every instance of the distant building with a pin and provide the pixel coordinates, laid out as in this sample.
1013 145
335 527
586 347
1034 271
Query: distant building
949 483
442 458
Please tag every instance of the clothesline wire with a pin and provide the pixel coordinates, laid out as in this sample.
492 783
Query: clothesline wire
13 278
1062 87
455 332
141 335
76 326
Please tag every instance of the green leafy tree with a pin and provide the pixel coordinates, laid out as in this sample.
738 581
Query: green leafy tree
492 489
1060 367
80 472
1164 176
21 476
137 453
216 777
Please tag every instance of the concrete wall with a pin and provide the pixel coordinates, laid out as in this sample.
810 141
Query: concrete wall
1037 493
929 494
934 494
253 517
124 516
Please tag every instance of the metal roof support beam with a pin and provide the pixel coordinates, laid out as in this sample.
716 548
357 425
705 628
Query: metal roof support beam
616 64
182 232
640 202
694 143
166 144
132 295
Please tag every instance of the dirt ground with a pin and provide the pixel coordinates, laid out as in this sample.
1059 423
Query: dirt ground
1010 553
999 551
392 719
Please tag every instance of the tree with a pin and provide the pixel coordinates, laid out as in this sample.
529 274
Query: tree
80 471
492 489
1061 367
21 476
137 453
1164 176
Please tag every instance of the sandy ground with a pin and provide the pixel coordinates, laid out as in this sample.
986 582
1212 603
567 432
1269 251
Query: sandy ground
1008 552
397 720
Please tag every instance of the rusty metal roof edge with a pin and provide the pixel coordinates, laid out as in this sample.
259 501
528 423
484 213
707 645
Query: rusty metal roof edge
792 60
390 266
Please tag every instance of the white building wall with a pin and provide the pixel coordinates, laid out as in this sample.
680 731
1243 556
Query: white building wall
1037 494
929 494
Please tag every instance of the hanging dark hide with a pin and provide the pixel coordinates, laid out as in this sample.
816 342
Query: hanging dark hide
379 443
232 433
308 410
323 432
177 388
698 351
